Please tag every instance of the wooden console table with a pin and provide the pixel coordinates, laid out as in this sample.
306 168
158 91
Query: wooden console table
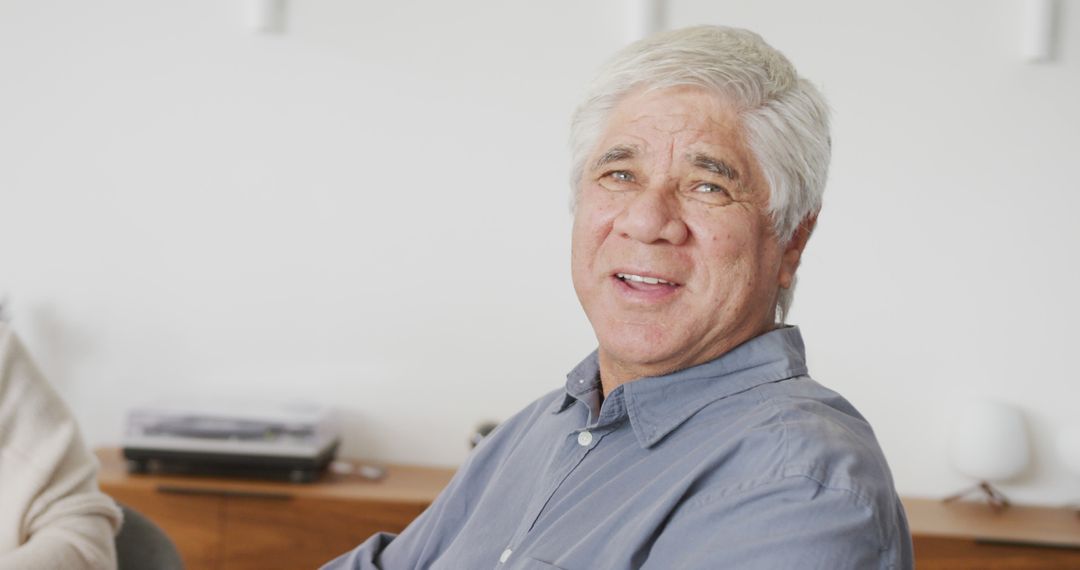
961 535
237 524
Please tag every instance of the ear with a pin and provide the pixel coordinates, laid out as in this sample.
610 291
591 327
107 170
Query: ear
789 262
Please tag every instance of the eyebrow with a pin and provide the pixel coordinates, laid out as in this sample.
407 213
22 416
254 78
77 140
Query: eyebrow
714 165
616 153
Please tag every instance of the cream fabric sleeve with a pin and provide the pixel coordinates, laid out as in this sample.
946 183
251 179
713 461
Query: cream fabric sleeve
52 514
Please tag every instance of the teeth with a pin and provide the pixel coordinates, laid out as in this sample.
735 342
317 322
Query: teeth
640 279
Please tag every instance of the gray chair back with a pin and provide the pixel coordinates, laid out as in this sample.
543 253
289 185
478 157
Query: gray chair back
142 545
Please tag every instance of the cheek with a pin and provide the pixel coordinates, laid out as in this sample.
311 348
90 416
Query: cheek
728 244
732 243
593 221
733 259
585 241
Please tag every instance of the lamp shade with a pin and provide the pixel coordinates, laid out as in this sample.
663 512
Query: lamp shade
989 441
1068 448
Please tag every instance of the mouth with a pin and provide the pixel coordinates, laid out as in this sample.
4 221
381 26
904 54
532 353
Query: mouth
638 288
633 279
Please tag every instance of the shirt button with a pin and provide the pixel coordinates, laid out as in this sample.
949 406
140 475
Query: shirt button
505 556
584 438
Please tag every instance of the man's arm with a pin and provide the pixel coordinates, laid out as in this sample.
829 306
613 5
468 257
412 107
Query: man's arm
427 536
434 531
363 557
794 522
52 514
420 542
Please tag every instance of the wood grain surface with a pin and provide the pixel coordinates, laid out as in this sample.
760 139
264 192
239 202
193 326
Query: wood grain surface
220 523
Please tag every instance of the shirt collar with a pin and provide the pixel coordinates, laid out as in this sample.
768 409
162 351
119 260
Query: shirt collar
657 405
584 378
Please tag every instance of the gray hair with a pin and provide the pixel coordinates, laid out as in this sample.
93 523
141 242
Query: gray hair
784 117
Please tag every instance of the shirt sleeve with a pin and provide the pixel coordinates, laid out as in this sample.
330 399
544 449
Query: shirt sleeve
363 557
429 536
53 514
792 523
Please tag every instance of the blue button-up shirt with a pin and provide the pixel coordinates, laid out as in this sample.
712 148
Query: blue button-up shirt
742 462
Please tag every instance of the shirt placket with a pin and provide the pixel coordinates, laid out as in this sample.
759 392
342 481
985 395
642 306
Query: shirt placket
576 446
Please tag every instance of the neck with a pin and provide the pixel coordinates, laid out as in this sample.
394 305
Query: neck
615 372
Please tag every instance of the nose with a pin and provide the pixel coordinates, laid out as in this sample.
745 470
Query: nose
653 215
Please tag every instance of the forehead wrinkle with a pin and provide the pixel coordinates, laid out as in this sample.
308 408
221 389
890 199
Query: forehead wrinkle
669 123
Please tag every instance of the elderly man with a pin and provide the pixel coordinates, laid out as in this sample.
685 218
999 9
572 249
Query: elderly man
693 437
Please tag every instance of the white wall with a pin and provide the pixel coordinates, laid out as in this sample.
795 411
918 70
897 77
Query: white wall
369 210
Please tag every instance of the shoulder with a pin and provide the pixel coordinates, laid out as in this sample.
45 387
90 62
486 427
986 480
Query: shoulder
794 426
24 392
36 423
800 443
823 438
47 475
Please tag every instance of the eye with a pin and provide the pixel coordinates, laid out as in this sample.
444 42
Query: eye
618 180
710 188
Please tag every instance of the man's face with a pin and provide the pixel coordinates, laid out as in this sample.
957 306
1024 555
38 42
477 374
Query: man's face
674 258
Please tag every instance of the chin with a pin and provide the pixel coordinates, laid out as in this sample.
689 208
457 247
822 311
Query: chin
640 349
